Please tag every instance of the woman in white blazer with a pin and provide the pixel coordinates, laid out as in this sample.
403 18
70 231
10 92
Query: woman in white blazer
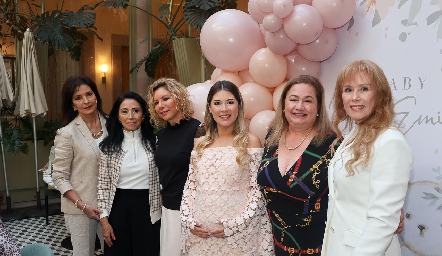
369 173
75 166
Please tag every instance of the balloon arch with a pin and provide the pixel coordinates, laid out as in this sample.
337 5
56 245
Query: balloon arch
260 51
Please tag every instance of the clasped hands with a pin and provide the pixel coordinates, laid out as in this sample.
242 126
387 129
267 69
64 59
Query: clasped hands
206 233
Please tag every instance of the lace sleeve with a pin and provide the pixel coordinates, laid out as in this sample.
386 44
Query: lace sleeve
187 209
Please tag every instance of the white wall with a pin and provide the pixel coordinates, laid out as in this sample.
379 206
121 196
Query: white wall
396 36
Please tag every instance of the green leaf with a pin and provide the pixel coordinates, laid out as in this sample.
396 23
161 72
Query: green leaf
163 8
196 16
81 19
151 63
204 4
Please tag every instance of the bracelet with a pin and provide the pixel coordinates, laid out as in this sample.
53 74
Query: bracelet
84 207
76 202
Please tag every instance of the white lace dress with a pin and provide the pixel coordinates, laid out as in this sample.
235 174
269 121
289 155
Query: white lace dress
217 189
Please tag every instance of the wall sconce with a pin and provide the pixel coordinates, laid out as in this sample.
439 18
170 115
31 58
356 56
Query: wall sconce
103 68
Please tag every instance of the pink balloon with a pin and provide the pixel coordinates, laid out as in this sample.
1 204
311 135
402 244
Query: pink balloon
272 23
263 30
309 2
245 76
230 76
282 8
256 14
260 123
229 38
277 95
198 95
322 48
297 65
256 99
216 72
335 13
267 68
304 24
265 5
279 43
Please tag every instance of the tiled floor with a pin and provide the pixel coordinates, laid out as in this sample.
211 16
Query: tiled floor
35 230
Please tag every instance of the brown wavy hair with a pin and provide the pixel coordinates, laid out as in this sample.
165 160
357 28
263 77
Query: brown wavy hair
280 123
179 94
241 138
371 127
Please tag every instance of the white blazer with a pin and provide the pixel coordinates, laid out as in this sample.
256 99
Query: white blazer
364 209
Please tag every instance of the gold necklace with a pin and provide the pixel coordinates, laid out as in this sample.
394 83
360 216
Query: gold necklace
300 143
97 135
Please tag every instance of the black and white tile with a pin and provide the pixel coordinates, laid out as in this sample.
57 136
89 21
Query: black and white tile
34 230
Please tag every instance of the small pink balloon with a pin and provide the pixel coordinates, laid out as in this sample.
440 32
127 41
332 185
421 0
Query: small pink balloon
245 76
254 11
277 94
272 23
267 68
335 13
309 2
216 72
279 43
320 49
198 95
265 5
297 65
263 30
256 99
304 24
230 76
260 123
282 8
229 38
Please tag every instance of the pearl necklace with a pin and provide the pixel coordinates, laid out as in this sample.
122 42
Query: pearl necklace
97 135
300 143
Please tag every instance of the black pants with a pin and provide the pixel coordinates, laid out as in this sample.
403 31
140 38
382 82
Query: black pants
130 219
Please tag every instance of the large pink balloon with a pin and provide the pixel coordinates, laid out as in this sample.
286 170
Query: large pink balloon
272 23
256 14
335 13
277 95
304 24
297 65
265 5
260 123
245 76
198 95
256 99
320 49
282 8
279 43
267 68
230 76
229 38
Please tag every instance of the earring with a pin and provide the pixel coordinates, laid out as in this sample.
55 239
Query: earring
317 114
96 102
75 109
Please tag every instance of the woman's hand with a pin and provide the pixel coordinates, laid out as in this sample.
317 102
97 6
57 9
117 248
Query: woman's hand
219 231
108 232
200 231
92 212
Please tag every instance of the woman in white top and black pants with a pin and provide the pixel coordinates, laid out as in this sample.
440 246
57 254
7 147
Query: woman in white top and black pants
128 185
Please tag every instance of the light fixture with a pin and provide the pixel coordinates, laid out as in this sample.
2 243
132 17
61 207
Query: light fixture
103 68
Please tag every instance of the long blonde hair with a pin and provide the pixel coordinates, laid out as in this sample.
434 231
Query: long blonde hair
280 123
179 94
240 140
380 119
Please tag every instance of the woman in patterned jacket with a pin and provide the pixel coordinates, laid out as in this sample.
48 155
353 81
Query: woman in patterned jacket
128 184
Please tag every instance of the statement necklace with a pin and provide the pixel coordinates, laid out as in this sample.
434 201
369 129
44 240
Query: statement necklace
300 143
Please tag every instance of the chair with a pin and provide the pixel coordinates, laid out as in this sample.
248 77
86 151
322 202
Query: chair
36 249
49 192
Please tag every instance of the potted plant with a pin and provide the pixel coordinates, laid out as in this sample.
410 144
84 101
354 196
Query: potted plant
195 13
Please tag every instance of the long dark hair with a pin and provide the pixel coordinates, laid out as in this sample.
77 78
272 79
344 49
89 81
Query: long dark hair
69 87
114 139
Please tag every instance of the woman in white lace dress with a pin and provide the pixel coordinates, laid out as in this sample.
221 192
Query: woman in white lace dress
222 210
